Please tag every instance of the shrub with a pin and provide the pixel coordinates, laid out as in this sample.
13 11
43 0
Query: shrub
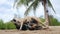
10 25
2 25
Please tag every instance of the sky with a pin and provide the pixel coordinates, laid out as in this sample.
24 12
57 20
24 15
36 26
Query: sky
7 11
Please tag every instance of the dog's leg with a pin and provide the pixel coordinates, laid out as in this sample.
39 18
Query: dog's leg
21 25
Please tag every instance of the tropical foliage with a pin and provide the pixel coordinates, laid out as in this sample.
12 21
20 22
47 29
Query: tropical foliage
7 25
10 25
53 21
34 4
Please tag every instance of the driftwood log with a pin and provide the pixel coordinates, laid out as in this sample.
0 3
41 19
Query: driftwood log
28 23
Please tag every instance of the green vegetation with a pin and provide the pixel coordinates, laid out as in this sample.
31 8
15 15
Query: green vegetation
53 21
2 25
8 25
34 5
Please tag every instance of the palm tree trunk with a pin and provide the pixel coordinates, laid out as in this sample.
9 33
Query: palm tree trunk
46 13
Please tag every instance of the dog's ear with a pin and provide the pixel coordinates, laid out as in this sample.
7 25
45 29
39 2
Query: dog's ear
14 20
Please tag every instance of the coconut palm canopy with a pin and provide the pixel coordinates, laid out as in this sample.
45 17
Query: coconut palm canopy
33 5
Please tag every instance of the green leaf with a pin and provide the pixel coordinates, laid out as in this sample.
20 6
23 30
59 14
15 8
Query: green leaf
27 11
34 5
50 5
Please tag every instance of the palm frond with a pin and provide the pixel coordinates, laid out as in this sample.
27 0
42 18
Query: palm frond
22 2
15 3
28 1
35 5
27 11
50 5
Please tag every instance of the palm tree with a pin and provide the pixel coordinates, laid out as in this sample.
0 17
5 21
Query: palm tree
34 5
